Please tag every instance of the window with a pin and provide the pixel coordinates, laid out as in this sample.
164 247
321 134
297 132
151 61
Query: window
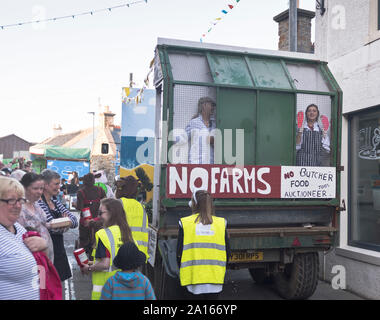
364 215
378 15
374 18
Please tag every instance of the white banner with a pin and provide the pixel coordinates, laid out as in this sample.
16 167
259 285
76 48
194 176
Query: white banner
308 182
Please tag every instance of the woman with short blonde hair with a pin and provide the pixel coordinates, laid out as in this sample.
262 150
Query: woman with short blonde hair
8 184
18 269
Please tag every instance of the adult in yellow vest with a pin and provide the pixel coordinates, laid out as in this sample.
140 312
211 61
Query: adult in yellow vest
203 248
137 218
115 233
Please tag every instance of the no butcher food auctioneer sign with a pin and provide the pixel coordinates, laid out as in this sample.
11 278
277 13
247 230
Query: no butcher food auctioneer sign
274 182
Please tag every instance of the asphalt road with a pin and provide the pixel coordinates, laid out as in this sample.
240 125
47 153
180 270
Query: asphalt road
238 286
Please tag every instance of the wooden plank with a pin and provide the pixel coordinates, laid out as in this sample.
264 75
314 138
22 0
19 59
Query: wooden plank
249 232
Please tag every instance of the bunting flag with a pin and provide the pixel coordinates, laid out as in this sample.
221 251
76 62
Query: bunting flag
217 20
140 95
72 16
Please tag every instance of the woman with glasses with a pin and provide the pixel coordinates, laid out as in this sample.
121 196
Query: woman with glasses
19 278
32 216
115 233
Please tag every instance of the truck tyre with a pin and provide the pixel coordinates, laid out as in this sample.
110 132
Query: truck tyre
260 276
299 279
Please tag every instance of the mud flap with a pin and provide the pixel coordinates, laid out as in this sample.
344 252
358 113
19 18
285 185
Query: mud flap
168 251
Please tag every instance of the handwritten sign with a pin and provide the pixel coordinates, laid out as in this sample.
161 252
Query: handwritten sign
308 182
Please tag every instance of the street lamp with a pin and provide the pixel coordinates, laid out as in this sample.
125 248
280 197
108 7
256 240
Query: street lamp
93 128
321 6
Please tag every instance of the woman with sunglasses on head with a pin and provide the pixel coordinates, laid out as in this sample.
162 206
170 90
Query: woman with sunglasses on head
115 233
18 269
32 216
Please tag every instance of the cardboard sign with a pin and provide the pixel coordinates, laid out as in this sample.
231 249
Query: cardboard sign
308 182
152 245
272 182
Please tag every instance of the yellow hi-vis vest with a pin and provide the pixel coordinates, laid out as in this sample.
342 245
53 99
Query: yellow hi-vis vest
204 252
111 238
138 222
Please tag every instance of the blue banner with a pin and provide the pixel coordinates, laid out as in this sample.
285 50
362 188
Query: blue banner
64 168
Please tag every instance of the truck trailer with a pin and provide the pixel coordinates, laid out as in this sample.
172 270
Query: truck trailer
282 212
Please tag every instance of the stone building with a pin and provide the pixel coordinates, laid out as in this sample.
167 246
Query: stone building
105 152
103 140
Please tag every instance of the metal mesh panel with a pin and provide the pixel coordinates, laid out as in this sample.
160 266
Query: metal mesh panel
157 69
190 67
307 77
323 103
324 106
186 99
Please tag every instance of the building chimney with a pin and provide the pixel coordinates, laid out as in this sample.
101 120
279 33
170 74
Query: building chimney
107 118
57 130
304 43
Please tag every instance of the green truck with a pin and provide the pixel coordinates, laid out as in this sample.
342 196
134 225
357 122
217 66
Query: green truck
281 212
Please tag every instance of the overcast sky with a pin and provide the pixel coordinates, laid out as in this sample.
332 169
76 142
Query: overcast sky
54 73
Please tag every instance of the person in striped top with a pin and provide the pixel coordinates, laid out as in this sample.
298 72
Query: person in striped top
54 210
128 284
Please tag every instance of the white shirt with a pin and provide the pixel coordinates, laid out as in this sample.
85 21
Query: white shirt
18 268
201 152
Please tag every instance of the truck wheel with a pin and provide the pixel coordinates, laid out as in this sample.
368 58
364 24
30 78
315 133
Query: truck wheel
260 276
299 279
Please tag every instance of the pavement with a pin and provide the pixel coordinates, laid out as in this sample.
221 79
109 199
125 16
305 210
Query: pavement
239 284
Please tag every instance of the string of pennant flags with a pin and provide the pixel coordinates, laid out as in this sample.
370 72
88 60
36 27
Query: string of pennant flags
139 97
217 20
72 16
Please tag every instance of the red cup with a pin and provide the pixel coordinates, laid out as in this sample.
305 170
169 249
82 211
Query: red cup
86 214
81 257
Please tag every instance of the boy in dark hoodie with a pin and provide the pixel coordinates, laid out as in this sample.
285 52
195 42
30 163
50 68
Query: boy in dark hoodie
128 284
